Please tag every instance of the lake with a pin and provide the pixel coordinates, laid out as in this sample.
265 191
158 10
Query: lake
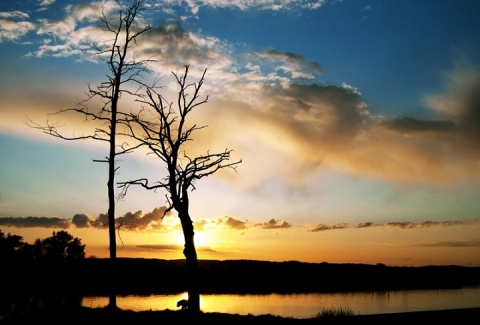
306 305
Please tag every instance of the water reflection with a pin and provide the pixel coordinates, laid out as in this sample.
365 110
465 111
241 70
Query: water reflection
307 305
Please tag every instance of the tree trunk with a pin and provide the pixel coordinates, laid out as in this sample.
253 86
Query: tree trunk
112 303
191 265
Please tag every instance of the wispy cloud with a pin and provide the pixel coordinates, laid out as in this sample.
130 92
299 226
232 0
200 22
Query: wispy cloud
294 64
399 225
463 243
195 5
423 224
175 248
46 2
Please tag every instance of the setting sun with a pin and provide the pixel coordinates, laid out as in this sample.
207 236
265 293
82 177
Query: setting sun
200 238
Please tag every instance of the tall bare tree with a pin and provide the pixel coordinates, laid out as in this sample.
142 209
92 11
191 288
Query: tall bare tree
165 134
119 54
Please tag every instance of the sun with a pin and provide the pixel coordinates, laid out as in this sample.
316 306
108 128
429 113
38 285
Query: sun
200 238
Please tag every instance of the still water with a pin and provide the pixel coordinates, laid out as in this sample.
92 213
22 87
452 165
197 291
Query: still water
307 305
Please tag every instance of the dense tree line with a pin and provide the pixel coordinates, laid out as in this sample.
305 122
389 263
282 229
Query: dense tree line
58 248
57 265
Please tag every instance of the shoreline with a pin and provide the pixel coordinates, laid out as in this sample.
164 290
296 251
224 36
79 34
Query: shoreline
79 315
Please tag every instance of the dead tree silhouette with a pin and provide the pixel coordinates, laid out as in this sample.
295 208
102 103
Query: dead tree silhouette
165 135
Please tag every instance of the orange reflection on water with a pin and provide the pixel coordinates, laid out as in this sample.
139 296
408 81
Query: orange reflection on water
305 305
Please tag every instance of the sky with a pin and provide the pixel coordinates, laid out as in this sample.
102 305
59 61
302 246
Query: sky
357 123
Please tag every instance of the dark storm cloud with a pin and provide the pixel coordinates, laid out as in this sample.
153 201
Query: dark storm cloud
273 224
29 222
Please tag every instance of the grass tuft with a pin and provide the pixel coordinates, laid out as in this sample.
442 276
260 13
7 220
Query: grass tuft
335 312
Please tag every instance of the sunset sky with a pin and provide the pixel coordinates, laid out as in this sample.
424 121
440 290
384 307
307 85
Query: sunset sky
357 123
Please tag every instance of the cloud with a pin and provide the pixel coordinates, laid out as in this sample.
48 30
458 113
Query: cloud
295 65
274 224
423 224
324 227
46 3
137 220
311 126
29 222
200 224
14 15
81 220
231 223
400 225
179 46
299 128
162 247
195 5
140 220
365 225
155 221
410 125
461 244
14 26
174 248
461 100
72 35
296 128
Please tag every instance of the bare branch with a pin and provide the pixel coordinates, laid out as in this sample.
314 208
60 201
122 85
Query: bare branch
163 131
101 107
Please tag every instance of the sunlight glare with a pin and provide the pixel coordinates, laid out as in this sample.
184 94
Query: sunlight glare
200 238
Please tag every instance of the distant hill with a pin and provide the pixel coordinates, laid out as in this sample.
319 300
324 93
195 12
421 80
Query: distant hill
147 276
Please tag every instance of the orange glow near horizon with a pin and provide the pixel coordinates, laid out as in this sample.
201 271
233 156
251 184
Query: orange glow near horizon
381 244
363 246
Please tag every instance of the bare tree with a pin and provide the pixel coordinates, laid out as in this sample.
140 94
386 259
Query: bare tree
165 134
119 54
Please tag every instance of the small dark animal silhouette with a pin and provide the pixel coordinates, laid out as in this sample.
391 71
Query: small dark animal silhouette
183 303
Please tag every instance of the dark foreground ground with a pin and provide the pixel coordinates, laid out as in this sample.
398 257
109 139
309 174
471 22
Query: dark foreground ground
62 297
85 315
